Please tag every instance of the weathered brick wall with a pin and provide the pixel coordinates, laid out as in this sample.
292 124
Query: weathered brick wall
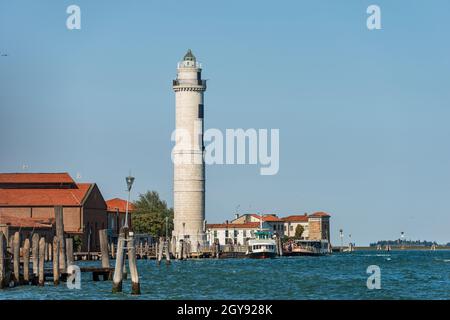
315 228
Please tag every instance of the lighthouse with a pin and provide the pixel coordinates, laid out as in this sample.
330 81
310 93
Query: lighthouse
189 166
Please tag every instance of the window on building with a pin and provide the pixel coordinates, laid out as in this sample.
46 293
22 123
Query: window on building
291 228
215 233
226 233
200 111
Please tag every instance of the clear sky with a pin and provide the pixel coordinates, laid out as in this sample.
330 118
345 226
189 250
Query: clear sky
363 115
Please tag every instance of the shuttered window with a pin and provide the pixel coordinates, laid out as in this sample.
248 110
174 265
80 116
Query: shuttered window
200 111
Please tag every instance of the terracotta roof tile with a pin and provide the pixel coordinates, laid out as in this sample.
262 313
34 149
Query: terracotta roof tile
117 203
35 178
26 222
296 218
320 214
248 225
44 197
268 218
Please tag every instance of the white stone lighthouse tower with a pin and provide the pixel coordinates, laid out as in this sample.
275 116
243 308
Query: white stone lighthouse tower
189 166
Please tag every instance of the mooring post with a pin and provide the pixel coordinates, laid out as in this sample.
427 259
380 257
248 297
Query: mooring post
167 251
135 286
182 249
16 258
26 261
118 271
41 258
46 252
69 251
50 251
56 263
217 245
160 249
59 220
35 253
103 235
3 262
113 254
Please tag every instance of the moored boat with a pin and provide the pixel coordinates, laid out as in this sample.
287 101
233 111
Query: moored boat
306 248
262 246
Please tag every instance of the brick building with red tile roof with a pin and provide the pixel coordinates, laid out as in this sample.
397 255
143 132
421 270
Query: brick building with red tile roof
34 195
116 214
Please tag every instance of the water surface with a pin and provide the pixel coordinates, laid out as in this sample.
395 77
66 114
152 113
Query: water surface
404 275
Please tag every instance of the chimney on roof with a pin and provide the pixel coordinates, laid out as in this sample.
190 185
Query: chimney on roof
236 215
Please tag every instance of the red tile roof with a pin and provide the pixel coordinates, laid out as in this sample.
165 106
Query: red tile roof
296 218
26 222
320 214
268 218
35 178
117 203
45 197
248 225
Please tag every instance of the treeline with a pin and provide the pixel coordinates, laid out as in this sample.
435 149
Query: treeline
415 243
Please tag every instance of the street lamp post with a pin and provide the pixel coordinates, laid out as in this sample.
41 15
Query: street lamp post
129 181
402 236
341 234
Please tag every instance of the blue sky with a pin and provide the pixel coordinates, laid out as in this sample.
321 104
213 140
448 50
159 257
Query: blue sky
363 115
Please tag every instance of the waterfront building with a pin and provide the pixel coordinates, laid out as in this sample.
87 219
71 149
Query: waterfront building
315 227
116 209
291 223
189 166
270 221
231 233
30 196
319 226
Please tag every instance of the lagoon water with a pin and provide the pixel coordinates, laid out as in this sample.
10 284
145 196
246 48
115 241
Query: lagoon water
404 275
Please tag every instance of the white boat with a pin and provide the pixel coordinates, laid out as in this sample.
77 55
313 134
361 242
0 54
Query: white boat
262 246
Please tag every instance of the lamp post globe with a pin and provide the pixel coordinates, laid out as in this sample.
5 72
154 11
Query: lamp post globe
130 181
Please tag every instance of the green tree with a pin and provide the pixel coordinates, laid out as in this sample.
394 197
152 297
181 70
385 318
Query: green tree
150 215
299 231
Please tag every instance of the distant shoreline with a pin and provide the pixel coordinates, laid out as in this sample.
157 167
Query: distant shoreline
405 248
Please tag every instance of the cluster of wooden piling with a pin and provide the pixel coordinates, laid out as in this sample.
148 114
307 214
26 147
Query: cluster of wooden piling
125 242
15 259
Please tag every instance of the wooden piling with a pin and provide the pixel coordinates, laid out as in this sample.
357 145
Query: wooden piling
182 248
135 286
167 242
69 251
118 271
35 253
103 235
59 220
113 253
41 259
26 261
160 249
46 252
15 249
3 261
56 262
50 251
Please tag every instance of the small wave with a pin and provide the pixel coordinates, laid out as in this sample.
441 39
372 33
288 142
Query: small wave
376 255
446 260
